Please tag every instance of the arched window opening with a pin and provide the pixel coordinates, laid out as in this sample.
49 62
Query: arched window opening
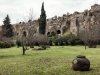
24 33
17 34
58 32
48 33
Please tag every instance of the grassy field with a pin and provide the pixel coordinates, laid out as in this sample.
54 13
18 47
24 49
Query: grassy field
56 60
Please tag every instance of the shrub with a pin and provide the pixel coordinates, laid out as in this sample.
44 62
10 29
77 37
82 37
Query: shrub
79 42
5 45
70 39
50 42
62 41
36 44
12 43
43 46
53 34
56 42
6 42
74 40
18 42
49 35
66 42
1 44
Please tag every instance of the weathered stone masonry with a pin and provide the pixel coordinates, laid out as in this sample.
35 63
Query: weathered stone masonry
75 22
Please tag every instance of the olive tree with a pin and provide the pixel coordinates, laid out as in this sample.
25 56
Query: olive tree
90 36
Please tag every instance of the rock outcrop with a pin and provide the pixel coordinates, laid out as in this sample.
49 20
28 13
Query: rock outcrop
75 22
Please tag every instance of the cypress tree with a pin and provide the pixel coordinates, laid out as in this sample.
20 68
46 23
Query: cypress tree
42 21
7 28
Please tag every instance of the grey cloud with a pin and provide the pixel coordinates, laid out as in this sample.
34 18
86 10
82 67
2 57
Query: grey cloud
16 8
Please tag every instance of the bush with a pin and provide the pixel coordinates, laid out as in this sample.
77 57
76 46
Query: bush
49 35
66 42
74 40
70 39
56 42
12 44
79 42
53 34
18 43
5 45
6 42
62 41
36 44
43 46
50 42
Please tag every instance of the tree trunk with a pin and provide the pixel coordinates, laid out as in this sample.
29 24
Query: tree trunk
85 46
23 50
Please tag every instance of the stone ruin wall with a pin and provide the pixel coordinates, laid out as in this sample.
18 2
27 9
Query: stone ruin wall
75 22
25 29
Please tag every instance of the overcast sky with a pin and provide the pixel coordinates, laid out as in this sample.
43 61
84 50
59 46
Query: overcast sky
18 8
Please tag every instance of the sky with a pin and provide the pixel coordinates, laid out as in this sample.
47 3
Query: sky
17 9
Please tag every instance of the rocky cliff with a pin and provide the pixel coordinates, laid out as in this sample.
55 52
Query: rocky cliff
75 22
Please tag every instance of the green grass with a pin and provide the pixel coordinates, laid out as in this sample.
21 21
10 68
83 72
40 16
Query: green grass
56 60
67 32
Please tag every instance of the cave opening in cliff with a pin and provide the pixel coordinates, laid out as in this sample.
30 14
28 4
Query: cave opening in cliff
48 33
24 33
58 32
17 34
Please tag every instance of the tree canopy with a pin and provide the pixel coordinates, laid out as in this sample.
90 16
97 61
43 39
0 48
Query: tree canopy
7 28
42 20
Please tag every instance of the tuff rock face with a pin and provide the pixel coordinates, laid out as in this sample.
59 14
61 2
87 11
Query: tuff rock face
75 22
